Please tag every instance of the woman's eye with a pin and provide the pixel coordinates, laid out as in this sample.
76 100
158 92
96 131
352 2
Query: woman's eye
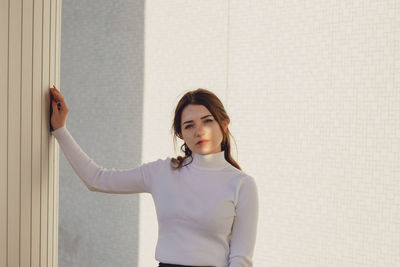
191 125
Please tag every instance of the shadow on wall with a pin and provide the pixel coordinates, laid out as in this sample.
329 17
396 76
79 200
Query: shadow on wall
101 68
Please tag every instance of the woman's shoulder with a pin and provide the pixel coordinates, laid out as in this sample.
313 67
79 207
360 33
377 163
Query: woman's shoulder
155 163
240 177
164 163
235 171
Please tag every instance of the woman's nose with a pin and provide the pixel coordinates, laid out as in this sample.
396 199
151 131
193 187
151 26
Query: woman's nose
200 130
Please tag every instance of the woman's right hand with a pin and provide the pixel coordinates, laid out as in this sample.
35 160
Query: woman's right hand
58 116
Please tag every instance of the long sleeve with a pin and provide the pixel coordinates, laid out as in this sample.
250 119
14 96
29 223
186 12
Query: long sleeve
100 179
244 227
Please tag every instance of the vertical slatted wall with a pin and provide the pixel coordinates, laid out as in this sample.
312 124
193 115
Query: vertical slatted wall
29 65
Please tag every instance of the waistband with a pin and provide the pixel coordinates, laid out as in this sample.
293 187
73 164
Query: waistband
177 265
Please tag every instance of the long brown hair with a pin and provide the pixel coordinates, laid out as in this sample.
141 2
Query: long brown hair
208 99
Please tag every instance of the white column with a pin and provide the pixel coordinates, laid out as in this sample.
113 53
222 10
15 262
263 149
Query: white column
30 35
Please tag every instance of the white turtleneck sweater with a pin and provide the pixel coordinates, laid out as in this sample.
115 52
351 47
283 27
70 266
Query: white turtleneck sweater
207 211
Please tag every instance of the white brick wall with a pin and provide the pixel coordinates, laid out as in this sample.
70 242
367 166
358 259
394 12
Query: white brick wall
312 88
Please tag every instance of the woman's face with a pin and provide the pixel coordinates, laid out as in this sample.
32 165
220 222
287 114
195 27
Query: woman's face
199 124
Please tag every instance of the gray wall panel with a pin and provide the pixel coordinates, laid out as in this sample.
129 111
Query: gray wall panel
102 80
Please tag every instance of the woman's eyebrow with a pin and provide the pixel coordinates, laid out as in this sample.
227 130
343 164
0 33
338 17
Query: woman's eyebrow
200 118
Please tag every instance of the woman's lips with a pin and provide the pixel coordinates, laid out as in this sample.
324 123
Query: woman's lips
202 142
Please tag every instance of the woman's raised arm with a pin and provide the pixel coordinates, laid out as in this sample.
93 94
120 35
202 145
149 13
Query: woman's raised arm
97 178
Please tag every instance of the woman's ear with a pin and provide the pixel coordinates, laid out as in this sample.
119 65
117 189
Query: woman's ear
225 124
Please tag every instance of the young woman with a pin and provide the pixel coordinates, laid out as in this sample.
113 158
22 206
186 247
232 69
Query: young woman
207 207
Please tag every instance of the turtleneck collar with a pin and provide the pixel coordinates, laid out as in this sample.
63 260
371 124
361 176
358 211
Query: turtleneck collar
215 161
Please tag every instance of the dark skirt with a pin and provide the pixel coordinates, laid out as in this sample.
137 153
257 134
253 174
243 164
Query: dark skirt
177 265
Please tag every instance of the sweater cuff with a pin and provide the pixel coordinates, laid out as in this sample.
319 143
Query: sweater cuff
59 131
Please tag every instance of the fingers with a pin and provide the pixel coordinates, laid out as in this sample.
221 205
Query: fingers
56 94
54 105
60 104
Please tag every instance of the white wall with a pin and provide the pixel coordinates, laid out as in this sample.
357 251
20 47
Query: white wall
312 89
